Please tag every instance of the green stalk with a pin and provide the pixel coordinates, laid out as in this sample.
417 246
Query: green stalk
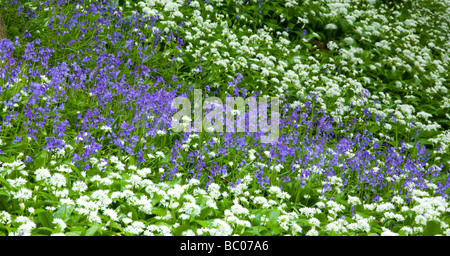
297 197
396 136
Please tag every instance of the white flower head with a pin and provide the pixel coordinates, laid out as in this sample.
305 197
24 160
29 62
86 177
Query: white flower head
331 26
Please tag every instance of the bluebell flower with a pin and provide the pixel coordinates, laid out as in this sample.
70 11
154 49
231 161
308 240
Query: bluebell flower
28 159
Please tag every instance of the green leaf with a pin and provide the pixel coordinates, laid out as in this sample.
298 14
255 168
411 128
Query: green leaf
432 228
3 181
254 231
273 218
78 230
344 25
271 232
410 215
205 212
156 199
322 217
40 159
92 230
159 211
396 228
359 208
201 223
4 159
77 233
64 212
181 229
42 230
45 218
46 195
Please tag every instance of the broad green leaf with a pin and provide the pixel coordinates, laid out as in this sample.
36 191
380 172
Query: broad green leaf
45 218
159 211
273 218
432 228
92 230
181 229
64 212
206 212
201 223
43 230
76 233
